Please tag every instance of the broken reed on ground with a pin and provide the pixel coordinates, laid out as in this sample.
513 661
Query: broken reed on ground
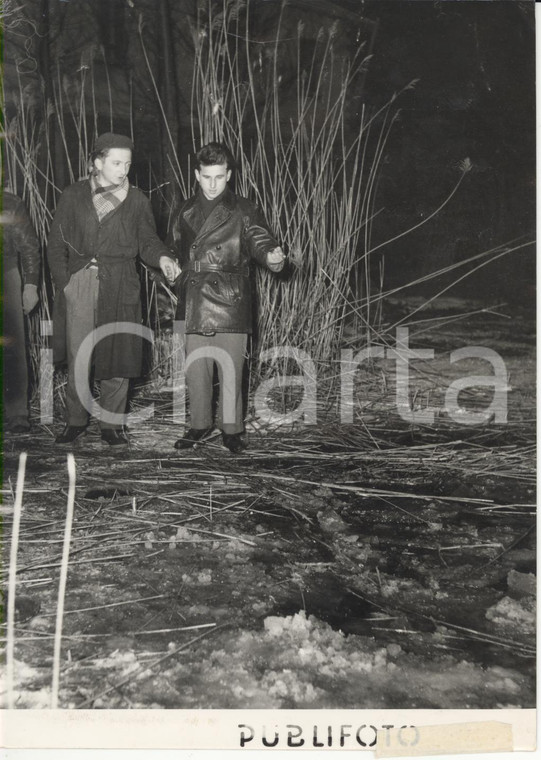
313 169
197 491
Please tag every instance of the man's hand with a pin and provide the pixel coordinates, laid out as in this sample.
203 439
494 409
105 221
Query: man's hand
169 267
30 297
276 258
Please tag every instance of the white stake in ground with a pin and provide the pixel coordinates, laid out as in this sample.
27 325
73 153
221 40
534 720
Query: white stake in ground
62 584
10 648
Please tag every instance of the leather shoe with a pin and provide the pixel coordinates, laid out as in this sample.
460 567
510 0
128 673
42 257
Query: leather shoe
192 436
18 425
114 437
70 433
234 443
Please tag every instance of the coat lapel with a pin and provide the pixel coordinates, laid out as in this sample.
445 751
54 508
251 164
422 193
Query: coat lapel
88 200
217 216
193 216
201 226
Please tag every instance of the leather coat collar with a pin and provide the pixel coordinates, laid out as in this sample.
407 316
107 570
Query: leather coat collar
219 214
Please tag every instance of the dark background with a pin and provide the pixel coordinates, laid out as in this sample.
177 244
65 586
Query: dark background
475 98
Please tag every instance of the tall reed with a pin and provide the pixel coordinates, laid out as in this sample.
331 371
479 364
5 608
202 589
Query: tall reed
12 585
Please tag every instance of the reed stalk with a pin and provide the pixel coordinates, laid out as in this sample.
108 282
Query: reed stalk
12 585
62 584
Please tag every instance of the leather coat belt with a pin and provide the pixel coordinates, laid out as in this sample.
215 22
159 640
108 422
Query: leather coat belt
199 266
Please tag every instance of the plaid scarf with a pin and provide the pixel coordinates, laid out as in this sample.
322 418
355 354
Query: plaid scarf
107 199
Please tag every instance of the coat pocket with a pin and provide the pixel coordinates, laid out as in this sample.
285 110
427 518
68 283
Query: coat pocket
215 289
235 287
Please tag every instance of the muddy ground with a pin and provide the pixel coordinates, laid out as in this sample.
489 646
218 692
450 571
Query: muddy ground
379 564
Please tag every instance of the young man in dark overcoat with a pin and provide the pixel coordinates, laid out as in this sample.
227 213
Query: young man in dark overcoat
216 235
101 225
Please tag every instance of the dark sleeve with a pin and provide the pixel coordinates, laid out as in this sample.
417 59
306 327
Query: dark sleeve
26 244
151 248
57 246
173 239
258 237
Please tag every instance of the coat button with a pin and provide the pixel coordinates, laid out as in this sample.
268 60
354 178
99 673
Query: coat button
192 282
194 246
218 247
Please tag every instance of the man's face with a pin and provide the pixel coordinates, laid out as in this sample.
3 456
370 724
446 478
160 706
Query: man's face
213 179
113 169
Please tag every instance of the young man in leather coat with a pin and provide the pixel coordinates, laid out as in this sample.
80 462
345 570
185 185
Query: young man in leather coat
217 234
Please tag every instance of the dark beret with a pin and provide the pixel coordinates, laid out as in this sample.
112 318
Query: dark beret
109 140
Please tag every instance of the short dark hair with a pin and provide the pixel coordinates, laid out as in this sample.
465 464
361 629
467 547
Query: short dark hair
92 159
214 153
103 153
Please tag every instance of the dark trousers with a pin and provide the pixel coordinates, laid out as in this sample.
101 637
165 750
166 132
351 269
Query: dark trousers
228 352
15 380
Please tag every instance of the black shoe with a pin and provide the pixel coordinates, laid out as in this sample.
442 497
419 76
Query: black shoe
70 433
18 425
192 436
234 443
114 437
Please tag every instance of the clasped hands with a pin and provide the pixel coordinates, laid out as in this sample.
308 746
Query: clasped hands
169 267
